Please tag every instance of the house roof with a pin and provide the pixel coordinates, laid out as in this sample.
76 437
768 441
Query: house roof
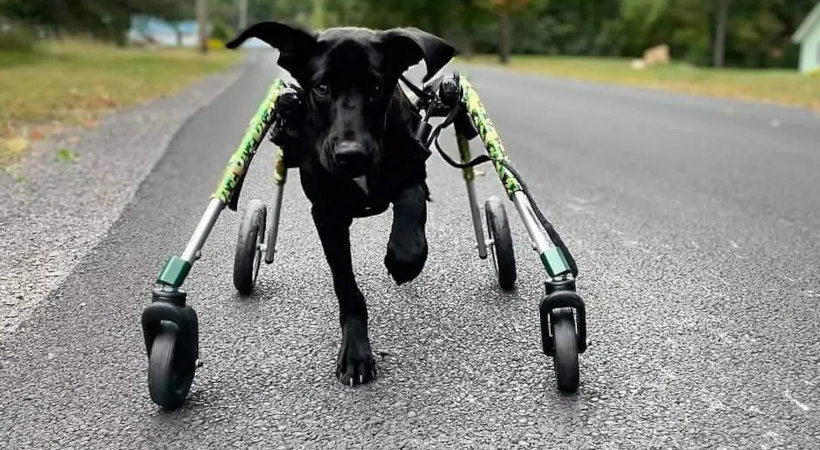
811 21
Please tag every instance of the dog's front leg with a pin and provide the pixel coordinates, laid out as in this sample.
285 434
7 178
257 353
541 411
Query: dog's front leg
355 364
407 247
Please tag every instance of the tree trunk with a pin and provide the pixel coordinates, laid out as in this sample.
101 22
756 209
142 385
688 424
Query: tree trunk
243 15
467 14
506 36
202 24
719 47
469 47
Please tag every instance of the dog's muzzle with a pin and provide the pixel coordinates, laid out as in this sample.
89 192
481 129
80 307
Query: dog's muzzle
351 157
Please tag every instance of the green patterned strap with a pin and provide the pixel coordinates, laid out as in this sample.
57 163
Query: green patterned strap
489 135
280 171
241 159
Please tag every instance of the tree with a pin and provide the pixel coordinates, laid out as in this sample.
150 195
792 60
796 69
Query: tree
202 24
751 33
107 20
505 8
643 24
721 21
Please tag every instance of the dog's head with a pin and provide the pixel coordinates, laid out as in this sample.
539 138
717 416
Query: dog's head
349 76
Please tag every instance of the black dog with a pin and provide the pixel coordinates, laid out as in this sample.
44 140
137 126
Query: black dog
358 153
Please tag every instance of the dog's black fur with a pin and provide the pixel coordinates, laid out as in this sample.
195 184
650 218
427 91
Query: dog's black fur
357 154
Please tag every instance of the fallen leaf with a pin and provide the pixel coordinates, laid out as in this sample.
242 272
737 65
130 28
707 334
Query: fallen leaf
65 154
36 135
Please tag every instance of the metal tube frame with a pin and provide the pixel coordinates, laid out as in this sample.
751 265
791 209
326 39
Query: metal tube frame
202 230
551 256
176 268
539 240
279 179
475 212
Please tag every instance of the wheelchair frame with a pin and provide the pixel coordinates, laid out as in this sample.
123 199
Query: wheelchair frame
170 326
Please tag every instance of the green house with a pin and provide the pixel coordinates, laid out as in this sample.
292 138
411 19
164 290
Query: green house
808 37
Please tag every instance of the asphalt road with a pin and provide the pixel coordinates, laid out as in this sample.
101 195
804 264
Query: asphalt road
694 222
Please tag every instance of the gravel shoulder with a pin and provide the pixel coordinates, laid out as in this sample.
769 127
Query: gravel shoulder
56 208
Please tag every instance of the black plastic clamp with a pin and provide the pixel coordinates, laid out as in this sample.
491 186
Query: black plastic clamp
289 113
169 306
561 294
450 93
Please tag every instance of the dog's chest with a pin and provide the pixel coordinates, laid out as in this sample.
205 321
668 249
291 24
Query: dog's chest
367 196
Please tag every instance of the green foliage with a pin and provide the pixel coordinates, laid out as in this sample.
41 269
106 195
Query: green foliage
644 21
107 20
758 32
221 30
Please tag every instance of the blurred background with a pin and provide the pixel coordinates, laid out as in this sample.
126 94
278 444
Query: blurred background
742 33
115 53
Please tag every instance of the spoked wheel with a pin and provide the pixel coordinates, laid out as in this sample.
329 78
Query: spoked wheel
565 357
248 247
498 229
170 373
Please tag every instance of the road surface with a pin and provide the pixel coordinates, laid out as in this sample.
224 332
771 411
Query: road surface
694 222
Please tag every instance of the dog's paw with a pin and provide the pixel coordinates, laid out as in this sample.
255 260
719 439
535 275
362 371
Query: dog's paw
405 261
355 364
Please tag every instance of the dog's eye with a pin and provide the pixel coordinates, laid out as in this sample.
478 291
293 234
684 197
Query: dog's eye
322 90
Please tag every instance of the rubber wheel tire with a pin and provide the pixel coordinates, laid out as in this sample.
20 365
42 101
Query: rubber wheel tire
565 356
170 374
248 256
498 229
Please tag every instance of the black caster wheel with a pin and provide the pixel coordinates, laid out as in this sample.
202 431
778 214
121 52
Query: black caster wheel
170 373
498 230
565 356
248 247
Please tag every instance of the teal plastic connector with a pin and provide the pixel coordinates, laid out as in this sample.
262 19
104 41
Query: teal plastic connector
174 271
555 262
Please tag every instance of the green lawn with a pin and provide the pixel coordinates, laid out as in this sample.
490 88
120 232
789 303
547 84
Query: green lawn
73 83
787 87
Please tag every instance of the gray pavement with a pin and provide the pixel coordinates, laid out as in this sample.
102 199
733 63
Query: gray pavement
694 223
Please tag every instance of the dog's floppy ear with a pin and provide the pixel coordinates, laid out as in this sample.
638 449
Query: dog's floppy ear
407 46
295 45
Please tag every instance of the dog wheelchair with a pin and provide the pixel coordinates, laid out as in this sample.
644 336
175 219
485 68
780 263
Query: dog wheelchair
170 327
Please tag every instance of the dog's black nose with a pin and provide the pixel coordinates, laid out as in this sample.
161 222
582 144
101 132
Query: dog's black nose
351 154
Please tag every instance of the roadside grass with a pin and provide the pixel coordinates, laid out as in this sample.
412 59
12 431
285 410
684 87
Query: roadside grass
74 83
785 87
